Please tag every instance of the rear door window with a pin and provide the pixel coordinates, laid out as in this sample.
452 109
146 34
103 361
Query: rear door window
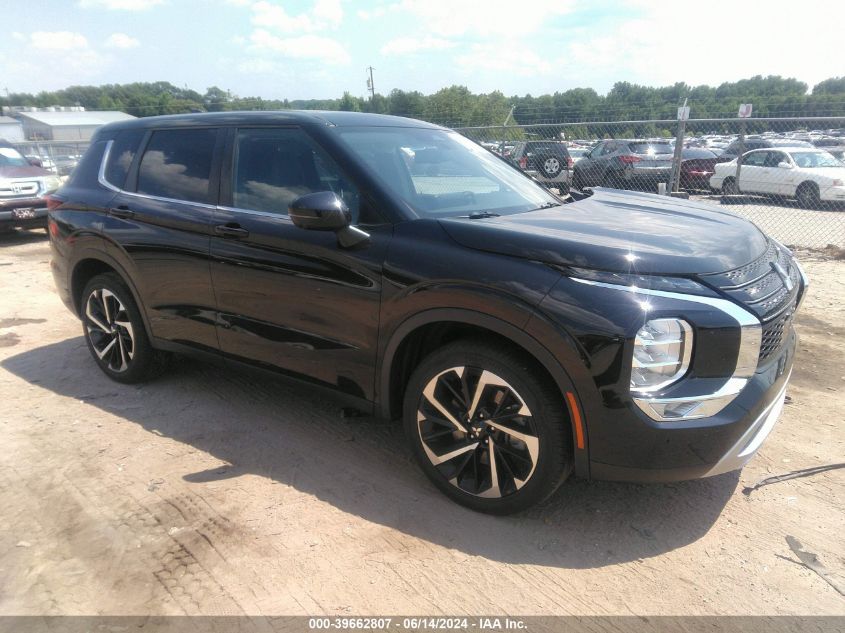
757 159
177 164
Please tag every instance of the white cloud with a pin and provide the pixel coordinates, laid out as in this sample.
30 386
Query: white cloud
407 45
20 37
322 15
511 57
652 50
58 41
329 11
120 5
504 18
121 40
79 61
316 47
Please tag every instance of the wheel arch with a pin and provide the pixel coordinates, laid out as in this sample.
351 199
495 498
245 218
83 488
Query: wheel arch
93 263
420 334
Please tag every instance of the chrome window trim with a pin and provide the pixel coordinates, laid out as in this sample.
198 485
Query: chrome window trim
101 178
746 363
263 214
101 175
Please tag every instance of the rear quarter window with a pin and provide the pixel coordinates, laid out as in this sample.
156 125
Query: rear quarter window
85 174
122 153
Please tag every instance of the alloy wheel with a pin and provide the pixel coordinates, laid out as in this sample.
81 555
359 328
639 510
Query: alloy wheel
109 330
551 165
477 432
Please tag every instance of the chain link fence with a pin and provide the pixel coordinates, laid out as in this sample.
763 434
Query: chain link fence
784 174
59 157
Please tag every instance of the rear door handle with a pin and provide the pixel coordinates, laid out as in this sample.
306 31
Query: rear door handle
122 212
231 230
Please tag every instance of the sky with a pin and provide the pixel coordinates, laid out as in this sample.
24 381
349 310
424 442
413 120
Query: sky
303 49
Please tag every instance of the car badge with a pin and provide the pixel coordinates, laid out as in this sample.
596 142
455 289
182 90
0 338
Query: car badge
787 281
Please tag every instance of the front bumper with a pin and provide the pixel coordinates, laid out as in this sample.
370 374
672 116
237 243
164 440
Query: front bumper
669 451
9 207
647 174
833 194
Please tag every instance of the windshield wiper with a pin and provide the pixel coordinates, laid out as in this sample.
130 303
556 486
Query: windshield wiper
477 215
547 205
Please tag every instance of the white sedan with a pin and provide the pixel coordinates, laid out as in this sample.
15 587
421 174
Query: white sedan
809 175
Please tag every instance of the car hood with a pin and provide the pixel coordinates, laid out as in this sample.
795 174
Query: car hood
622 231
30 171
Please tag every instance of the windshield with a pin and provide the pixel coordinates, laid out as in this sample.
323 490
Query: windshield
10 157
440 173
815 159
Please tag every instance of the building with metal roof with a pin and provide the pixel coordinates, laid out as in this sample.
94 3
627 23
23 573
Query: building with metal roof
11 129
65 126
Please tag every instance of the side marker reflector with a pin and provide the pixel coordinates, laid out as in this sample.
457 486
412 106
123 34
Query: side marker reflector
576 419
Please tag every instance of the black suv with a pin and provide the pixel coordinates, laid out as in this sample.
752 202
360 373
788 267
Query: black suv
547 162
518 336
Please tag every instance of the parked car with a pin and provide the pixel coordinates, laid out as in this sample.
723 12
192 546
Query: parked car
24 187
733 150
548 162
697 166
811 176
518 337
577 153
624 164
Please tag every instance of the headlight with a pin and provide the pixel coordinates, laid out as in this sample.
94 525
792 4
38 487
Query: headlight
662 351
51 183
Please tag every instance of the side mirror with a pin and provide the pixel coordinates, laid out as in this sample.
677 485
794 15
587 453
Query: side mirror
325 211
35 162
784 165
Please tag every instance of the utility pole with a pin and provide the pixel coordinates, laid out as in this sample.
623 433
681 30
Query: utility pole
370 85
510 114
675 178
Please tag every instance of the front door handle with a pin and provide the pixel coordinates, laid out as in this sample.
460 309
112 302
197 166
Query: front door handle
122 212
231 230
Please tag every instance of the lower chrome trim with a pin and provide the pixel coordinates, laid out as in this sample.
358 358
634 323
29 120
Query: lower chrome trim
753 438
702 406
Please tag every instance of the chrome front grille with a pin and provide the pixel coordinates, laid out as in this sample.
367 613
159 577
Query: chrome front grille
769 287
774 332
19 189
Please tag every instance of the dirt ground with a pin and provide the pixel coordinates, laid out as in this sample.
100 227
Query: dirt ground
221 493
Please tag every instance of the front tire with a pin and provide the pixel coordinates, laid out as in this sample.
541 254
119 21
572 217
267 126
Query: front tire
114 331
729 187
808 195
487 427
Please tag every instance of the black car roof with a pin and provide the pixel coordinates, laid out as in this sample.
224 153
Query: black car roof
301 117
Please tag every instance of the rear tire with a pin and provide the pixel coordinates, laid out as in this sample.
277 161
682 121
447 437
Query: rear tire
612 180
508 436
729 187
115 334
808 196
